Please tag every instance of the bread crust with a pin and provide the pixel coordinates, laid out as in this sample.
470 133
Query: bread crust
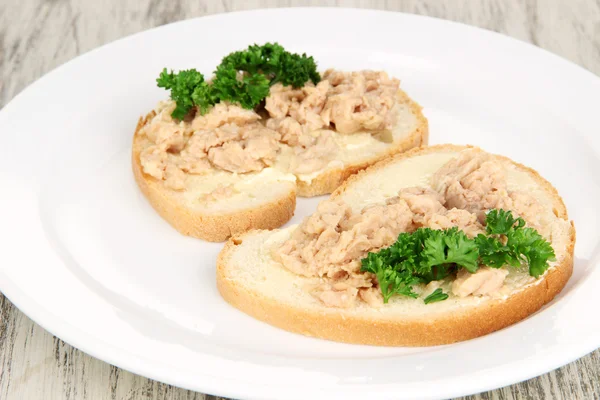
210 227
219 227
382 330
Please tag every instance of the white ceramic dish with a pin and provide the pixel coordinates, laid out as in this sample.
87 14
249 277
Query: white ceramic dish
85 256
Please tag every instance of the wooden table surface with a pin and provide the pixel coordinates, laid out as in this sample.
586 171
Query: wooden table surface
38 35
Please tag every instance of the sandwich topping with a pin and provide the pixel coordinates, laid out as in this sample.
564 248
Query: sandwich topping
457 237
265 107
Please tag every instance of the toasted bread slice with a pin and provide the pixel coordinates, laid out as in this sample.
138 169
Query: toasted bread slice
267 199
252 281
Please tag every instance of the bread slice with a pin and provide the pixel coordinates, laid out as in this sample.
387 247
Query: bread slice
252 281
267 199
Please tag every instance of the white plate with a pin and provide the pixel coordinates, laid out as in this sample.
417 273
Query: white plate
85 256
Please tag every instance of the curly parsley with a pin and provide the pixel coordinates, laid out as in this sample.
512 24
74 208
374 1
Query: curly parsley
243 77
510 243
420 257
187 87
275 63
427 255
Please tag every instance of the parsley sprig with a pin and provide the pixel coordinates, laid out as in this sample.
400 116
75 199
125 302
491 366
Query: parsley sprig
508 242
188 88
427 254
243 77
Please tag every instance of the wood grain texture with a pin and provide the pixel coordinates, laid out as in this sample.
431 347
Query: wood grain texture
38 35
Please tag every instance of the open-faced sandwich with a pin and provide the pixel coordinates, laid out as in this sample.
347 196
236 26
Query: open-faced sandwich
231 154
432 246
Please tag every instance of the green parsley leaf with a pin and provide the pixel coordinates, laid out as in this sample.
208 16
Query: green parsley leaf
204 97
450 246
248 91
420 257
404 251
391 280
528 243
296 70
437 295
183 86
494 253
522 244
275 63
265 59
500 222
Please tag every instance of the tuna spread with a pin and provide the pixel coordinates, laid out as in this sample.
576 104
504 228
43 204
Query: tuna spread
300 131
330 243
